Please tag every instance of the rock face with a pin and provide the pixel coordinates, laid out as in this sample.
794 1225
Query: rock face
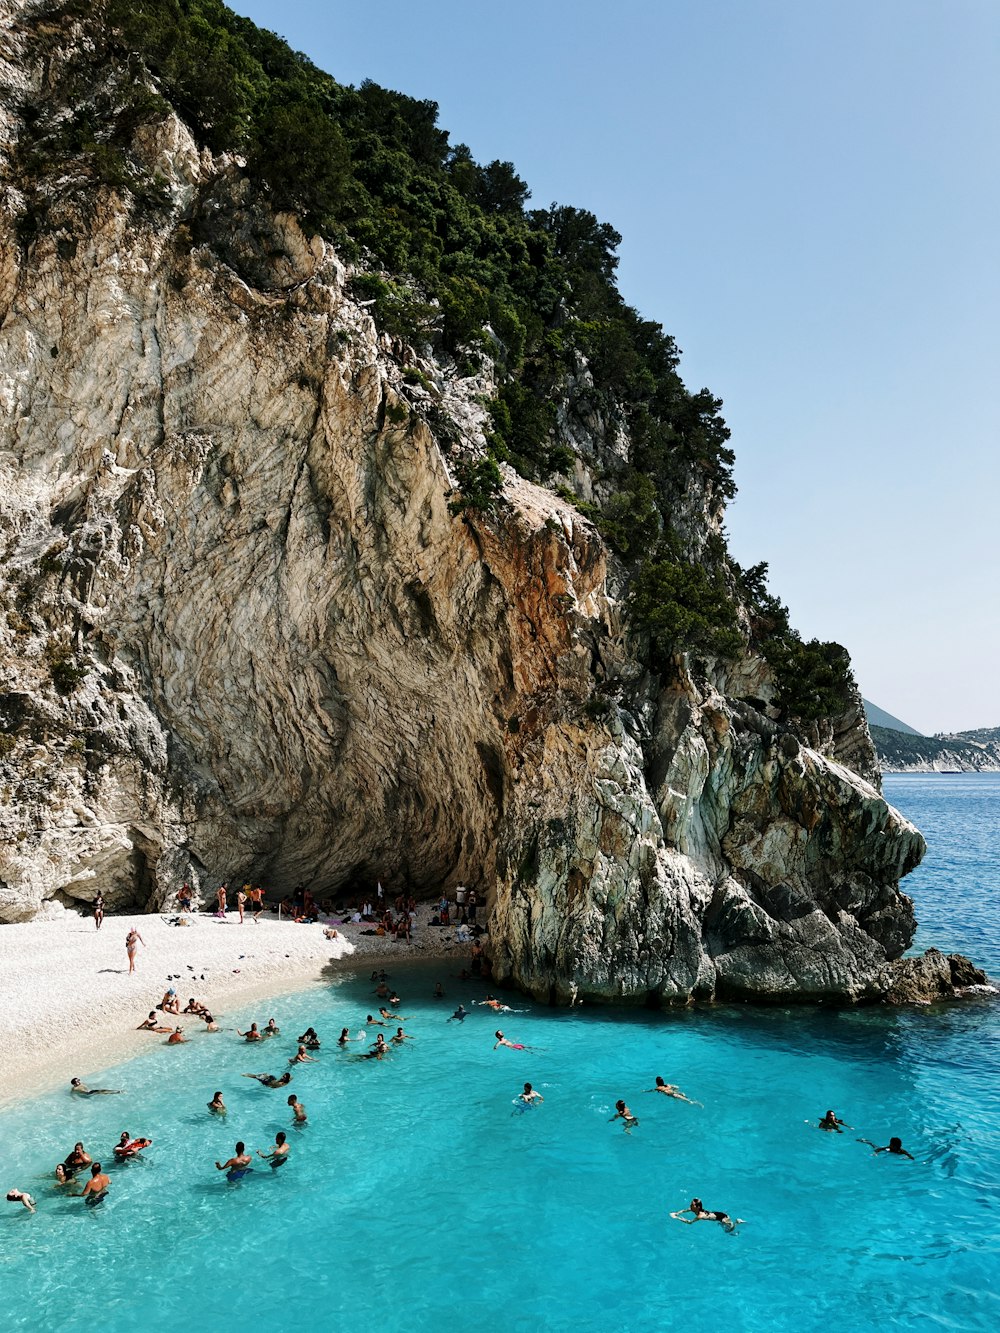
245 637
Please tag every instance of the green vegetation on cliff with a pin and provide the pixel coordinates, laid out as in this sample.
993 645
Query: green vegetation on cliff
454 260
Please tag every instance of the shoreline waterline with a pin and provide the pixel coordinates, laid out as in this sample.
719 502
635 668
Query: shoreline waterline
71 1008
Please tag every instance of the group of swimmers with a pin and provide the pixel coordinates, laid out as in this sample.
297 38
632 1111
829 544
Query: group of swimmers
239 1165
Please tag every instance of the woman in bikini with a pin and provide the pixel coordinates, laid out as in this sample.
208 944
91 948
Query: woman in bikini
699 1213
132 941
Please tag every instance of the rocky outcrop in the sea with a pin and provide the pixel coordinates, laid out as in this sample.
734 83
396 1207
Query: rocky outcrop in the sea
244 635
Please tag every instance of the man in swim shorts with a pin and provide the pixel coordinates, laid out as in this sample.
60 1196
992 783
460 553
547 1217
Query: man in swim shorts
19 1196
278 1155
402 1036
76 1086
501 1040
237 1166
298 1110
96 1188
699 1213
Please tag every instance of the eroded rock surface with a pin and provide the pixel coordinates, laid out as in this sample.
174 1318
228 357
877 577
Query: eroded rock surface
244 637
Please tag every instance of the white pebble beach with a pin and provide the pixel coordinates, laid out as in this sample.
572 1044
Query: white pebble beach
70 1006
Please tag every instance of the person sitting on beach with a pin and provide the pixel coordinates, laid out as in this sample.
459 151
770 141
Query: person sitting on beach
278 1155
195 1007
302 1057
76 1159
76 1086
184 898
19 1196
238 1165
252 1034
402 1036
170 1003
298 1110
699 1213
623 1113
96 1187
671 1090
459 1013
177 1037
152 1024
830 1121
894 1146
309 1040
529 1096
501 1040
217 1106
271 1080
271 1029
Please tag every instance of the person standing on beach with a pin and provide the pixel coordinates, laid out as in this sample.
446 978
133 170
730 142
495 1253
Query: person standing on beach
221 900
132 941
256 902
241 899
98 911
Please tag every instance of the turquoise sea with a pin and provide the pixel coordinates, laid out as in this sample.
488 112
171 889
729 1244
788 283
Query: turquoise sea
418 1197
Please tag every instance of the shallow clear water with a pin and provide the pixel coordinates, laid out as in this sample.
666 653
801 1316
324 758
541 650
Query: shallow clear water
417 1198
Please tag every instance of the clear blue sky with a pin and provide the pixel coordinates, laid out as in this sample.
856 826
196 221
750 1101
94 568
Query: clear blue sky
810 203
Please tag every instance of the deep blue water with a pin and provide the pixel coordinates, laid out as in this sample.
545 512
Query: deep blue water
417 1197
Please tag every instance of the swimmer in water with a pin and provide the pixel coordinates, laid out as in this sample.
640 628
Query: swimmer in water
237 1166
402 1036
309 1040
388 1016
493 1003
19 1196
272 1029
623 1113
671 1090
278 1155
302 1057
459 1013
830 1121
252 1033
438 992
127 1149
529 1096
270 1081
894 1147
345 1037
217 1106
501 1040
394 999
177 1038
64 1177
96 1188
699 1213
77 1159
76 1086
298 1110
373 1022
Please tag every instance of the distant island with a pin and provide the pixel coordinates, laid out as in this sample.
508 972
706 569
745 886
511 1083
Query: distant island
902 749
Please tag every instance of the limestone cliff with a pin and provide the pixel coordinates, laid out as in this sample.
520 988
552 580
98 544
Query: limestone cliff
244 636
